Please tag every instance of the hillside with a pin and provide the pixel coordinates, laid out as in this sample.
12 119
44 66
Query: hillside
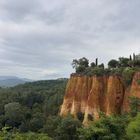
9 81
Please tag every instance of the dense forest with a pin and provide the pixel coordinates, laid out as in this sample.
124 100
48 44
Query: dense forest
31 107
31 111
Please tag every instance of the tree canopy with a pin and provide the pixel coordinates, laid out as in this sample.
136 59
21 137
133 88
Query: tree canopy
124 67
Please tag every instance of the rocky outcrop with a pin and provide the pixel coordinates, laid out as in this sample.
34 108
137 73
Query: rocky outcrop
76 95
96 97
115 95
132 91
92 95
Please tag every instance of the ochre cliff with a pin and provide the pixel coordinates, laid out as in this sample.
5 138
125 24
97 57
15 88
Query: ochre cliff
132 91
95 94
76 95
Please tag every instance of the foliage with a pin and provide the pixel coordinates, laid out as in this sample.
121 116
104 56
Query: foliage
13 114
80 65
25 136
93 132
117 71
124 62
135 105
27 107
136 63
127 74
101 66
138 81
80 69
125 67
92 65
133 129
67 130
96 71
107 128
80 116
51 125
113 63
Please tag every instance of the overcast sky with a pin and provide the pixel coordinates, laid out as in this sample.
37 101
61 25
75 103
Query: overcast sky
40 38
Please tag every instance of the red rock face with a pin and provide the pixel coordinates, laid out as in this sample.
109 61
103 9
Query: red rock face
92 95
115 95
75 99
132 91
96 98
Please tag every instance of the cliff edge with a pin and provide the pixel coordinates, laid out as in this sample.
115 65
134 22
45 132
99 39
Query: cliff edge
91 95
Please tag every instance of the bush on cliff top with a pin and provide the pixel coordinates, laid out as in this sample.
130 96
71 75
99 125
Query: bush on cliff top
125 67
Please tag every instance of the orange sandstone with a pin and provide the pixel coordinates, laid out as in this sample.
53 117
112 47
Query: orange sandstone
92 95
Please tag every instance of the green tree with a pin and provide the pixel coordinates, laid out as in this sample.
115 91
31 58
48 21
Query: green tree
67 130
96 62
23 136
133 129
134 104
113 63
26 107
51 125
80 69
37 122
75 63
92 65
93 132
127 74
101 66
83 62
124 62
136 63
80 65
96 71
14 114
106 128
131 63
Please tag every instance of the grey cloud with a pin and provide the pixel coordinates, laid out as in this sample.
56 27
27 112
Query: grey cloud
39 38
17 9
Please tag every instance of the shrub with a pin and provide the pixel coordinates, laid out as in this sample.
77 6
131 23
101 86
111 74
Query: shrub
128 75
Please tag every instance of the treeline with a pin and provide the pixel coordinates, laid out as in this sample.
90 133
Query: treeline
124 67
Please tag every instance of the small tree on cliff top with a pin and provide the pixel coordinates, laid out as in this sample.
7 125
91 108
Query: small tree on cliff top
80 65
124 62
113 63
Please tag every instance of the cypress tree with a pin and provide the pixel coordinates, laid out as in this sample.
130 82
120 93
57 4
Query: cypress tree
96 61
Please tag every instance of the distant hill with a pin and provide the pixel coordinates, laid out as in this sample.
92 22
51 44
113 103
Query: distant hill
9 81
